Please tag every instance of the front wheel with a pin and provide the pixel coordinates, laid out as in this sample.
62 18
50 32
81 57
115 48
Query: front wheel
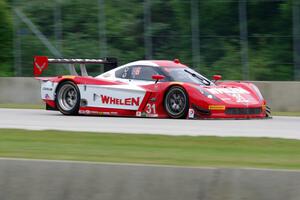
68 98
176 102
268 112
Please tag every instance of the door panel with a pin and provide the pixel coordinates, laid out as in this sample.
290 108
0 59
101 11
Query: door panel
128 97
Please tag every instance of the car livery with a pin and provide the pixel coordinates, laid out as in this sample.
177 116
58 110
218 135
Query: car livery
147 88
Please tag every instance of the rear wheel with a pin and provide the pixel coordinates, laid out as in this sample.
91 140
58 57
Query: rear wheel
176 102
68 98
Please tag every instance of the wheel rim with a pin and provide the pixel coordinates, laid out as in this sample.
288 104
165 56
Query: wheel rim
176 102
67 97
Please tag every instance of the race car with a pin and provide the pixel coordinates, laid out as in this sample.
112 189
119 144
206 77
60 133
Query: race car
147 88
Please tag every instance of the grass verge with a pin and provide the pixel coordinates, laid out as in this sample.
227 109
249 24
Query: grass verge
22 106
151 149
286 114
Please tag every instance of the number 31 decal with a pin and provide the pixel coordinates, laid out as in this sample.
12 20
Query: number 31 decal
150 108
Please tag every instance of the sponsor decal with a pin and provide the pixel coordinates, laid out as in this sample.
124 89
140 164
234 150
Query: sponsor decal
153 99
191 113
234 92
150 108
92 112
47 89
40 67
131 101
144 114
47 96
89 112
228 91
81 112
126 69
216 107
113 96
151 115
68 76
138 114
110 113
40 64
240 99
225 99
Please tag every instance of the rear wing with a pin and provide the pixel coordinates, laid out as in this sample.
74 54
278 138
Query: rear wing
41 63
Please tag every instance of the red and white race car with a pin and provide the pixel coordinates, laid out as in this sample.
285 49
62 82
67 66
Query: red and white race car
147 88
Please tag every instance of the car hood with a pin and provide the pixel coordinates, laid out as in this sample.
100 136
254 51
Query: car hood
234 95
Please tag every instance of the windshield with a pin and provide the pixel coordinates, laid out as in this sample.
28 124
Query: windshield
186 75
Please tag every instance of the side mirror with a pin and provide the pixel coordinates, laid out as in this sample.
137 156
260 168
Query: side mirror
217 77
157 77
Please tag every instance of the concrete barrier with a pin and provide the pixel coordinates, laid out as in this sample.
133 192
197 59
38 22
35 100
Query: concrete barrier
21 90
281 96
36 180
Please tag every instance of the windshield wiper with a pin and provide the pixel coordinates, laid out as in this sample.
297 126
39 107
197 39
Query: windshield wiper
204 81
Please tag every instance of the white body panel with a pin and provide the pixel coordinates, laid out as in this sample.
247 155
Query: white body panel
127 97
48 90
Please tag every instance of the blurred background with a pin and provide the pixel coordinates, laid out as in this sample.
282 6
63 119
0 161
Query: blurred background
240 39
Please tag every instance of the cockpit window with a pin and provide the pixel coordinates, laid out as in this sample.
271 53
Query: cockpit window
143 73
122 73
186 75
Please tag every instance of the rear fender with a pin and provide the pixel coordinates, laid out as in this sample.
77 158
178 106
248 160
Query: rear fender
49 86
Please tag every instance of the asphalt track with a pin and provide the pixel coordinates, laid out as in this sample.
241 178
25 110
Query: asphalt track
278 127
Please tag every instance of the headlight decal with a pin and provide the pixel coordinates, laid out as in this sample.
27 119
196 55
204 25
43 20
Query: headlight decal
208 94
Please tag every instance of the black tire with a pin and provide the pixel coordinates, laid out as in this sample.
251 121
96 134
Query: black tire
176 102
268 112
68 98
